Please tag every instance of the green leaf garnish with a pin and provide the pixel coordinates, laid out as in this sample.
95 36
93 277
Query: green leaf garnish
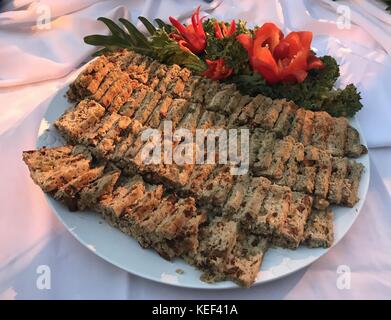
316 92
148 25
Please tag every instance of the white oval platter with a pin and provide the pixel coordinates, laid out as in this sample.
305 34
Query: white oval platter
124 252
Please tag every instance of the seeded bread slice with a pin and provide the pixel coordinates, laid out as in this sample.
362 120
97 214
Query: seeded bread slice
177 111
190 120
106 146
319 229
268 114
88 82
297 124
282 152
258 189
236 110
52 168
171 74
264 150
322 161
236 198
339 172
217 188
265 105
111 77
46 158
322 124
244 265
353 147
74 122
249 110
227 253
336 140
292 166
291 233
115 89
160 112
352 183
221 99
90 195
305 179
272 213
126 194
218 239
147 106
197 179
285 119
68 194
171 228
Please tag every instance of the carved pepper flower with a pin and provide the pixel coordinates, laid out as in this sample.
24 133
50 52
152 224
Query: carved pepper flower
192 36
224 31
278 58
217 70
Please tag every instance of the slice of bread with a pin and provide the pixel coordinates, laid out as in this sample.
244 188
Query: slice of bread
291 234
52 168
226 252
68 194
90 195
319 229
76 121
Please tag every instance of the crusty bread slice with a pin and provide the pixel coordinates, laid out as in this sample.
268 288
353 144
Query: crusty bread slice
217 241
68 194
167 224
126 194
352 183
319 229
354 148
226 252
74 122
89 80
52 168
90 195
291 233
38 159
244 265
172 231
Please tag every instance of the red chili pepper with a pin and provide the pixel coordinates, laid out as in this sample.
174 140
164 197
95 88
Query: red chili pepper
280 59
217 70
193 36
223 31
181 42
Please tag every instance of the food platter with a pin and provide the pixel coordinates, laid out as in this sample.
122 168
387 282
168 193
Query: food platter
125 253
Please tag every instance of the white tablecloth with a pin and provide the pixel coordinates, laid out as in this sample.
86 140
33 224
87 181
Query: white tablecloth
31 236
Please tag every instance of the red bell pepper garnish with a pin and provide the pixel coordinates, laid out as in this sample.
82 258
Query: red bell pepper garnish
217 70
193 36
280 59
224 31
181 42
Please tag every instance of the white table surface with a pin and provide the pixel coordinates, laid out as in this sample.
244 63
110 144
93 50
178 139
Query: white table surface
31 236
